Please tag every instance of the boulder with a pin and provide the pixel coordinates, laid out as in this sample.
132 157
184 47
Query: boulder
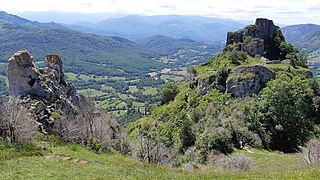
248 80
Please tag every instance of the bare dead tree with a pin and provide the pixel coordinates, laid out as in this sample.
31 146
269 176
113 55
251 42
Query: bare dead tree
151 150
89 123
16 123
70 128
88 113
104 129
311 153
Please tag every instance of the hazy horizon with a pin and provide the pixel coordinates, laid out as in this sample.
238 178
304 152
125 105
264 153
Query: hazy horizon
286 12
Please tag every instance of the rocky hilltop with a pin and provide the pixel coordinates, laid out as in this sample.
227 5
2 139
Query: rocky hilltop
257 92
44 90
256 40
251 57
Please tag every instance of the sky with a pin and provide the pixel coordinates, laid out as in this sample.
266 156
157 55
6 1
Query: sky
281 11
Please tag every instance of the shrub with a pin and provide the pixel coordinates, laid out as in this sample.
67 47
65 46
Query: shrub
284 113
218 138
222 75
214 156
168 93
311 153
239 162
94 145
237 57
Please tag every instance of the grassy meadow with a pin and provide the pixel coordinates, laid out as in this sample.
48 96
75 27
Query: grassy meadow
52 160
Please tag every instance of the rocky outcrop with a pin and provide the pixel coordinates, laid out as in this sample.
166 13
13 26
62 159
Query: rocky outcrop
256 40
248 80
45 90
205 84
25 79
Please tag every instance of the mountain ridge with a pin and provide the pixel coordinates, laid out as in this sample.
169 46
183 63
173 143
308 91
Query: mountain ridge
81 51
303 36
175 26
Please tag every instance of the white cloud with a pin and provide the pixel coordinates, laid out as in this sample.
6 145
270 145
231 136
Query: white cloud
281 11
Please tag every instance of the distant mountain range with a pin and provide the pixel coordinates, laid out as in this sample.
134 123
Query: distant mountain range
96 54
182 39
202 29
82 53
21 21
303 36
188 27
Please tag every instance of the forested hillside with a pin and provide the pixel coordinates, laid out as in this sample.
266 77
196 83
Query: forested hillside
83 53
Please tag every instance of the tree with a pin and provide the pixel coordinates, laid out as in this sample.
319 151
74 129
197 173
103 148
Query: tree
284 113
16 124
90 124
168 93
148 145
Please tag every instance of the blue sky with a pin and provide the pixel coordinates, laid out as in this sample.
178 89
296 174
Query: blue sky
281 11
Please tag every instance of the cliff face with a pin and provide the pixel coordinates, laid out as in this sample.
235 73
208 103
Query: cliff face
45 90
257 39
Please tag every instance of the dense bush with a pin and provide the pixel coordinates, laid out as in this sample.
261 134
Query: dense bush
283 115
237 57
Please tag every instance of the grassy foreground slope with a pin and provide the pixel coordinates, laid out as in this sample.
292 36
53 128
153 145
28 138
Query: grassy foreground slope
60 161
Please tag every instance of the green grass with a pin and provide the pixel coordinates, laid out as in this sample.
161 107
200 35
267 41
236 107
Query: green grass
71 76
138 104
107 88
121 105
47 161
91 92
241 76
103 103
117 113
85 77
204 71
172 78
126 96
149 90
133 88
278 67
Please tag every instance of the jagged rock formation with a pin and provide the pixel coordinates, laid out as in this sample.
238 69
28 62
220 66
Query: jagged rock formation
256 40
245 81
47 86
48 83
